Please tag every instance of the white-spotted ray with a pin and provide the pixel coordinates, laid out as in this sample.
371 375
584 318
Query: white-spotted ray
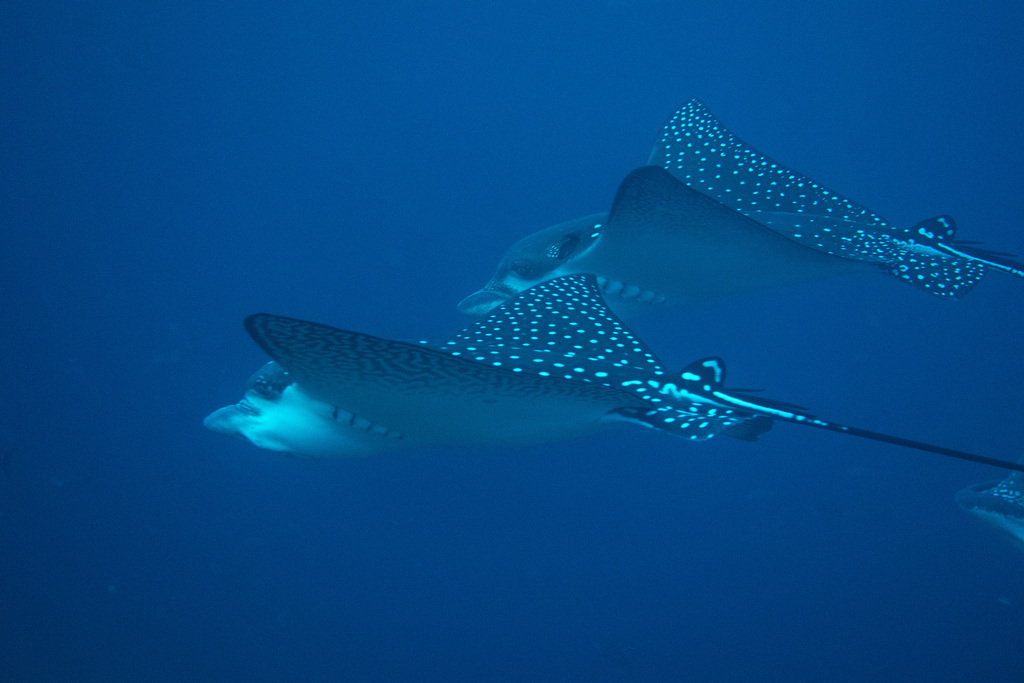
662 244
553 362
700 151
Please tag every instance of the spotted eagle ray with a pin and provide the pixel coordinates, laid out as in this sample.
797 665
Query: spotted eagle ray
660 244
999 504
552 362
696 148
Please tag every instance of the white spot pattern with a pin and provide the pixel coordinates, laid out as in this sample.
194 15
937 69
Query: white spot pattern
562 328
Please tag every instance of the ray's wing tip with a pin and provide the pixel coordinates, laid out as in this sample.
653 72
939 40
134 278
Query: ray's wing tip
254 325
254 322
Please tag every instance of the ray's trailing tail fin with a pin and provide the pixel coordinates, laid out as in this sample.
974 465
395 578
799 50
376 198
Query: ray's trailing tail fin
919 445
706 377
939 233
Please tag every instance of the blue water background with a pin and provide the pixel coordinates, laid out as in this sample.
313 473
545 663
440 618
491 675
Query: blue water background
168 168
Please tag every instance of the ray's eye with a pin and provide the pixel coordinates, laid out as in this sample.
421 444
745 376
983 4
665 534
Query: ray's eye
269 381
563 248
523 268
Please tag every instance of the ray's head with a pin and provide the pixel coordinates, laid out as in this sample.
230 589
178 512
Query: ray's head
546 254
276 414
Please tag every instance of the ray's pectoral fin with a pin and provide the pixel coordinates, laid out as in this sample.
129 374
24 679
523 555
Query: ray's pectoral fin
670 238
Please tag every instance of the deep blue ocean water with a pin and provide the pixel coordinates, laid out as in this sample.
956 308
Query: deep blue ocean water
168 168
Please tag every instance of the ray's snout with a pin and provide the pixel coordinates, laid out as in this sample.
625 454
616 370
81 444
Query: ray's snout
224 421
482 302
